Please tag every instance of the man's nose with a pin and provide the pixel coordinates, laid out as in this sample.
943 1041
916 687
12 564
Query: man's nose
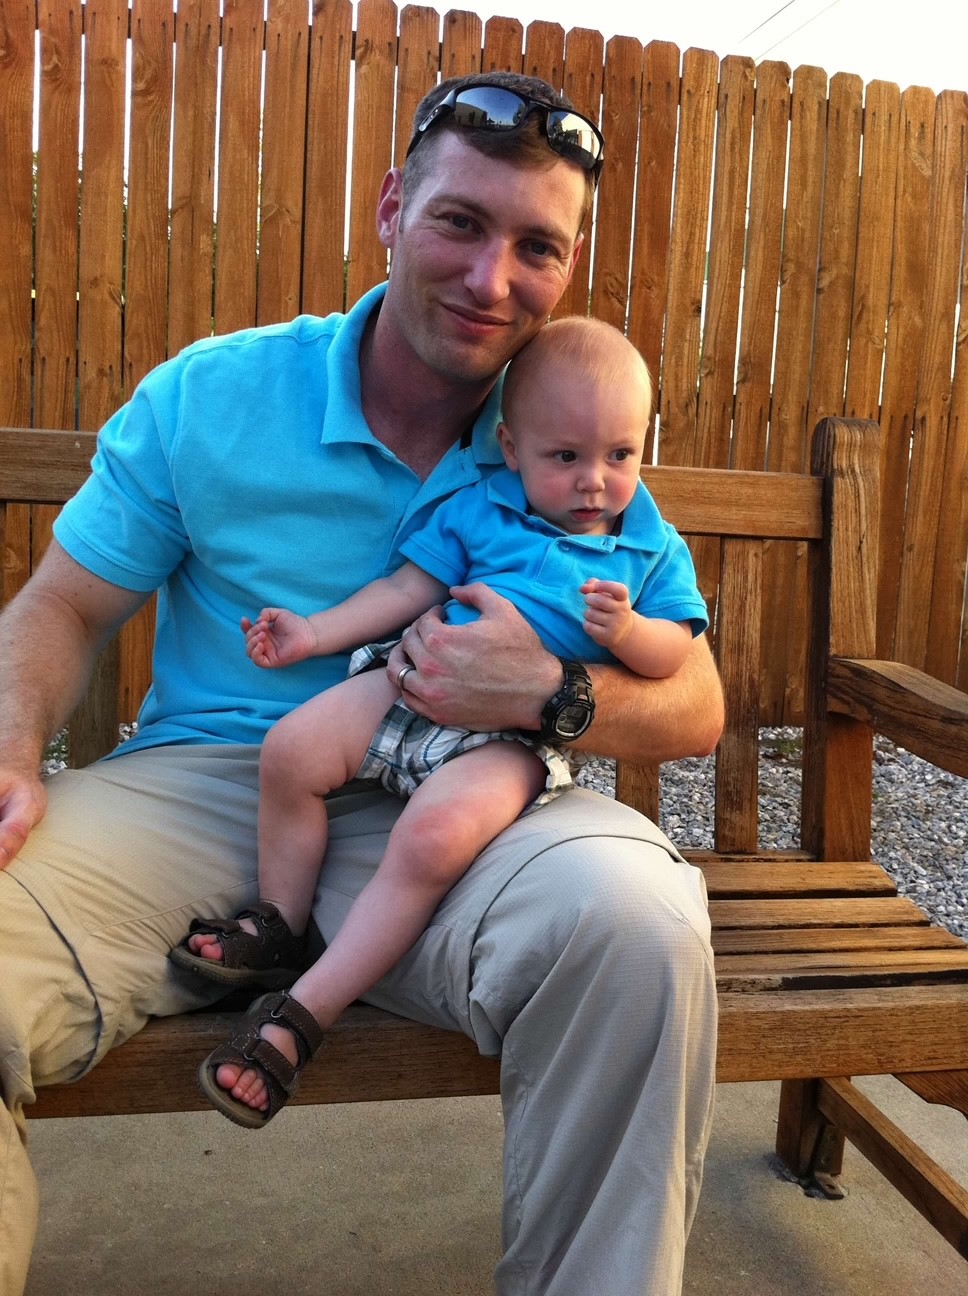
489 274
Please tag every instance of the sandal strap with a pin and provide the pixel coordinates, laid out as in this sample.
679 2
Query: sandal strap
246 1046
273 945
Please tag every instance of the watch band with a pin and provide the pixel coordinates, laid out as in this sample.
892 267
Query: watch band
568 712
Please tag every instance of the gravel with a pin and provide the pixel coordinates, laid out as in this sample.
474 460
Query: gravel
913 800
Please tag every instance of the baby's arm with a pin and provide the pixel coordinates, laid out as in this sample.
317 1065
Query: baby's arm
649 646
280 638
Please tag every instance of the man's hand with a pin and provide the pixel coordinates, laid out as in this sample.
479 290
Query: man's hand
490 674
278 638
608 612
23 803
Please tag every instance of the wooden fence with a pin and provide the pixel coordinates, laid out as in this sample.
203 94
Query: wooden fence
779 246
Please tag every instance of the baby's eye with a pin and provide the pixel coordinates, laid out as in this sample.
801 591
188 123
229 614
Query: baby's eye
566 456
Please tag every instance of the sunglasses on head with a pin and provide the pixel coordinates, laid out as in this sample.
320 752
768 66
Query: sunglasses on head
494 108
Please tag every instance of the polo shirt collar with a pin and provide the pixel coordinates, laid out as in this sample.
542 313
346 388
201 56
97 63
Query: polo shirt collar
641 521
343 420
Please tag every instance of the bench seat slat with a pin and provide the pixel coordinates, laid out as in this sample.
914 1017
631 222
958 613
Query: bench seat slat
371 1055
802 1034
793 939
856 964
891 911
728 880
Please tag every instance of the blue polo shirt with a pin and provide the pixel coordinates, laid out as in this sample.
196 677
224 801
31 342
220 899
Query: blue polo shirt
241 475
487 533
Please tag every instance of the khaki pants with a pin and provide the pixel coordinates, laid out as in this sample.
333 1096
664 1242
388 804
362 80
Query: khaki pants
576 947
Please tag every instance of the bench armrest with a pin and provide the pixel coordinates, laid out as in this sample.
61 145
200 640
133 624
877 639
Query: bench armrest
912 709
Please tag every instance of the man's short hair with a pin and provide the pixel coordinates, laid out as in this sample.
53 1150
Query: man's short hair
525 144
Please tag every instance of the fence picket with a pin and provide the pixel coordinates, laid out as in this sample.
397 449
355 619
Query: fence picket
503 45
56 239
838 248
376 57
327 146
584 61
102 212
687 266
905 338
544 52
193 173
461 46
727 241
788 423
17 24
418 60
622 91
652 228
871 295
771 122
922 519
237 229
283 161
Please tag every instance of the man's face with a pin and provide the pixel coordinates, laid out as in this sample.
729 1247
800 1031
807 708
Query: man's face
482 251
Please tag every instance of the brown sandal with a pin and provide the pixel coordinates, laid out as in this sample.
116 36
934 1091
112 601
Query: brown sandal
246 1048
273 958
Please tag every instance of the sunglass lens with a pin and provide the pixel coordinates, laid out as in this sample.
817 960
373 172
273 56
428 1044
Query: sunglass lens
489 107
573 137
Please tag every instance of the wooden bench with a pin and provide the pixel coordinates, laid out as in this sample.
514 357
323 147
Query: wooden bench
824 971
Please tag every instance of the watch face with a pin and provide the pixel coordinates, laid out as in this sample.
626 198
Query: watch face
572 721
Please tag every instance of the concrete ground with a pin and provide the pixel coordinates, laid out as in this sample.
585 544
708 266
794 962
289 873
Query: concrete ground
402 1199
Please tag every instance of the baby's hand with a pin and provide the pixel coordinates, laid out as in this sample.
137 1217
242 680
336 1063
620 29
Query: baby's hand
278 638
608 612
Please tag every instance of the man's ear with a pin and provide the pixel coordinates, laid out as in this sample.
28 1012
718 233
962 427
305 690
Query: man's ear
389 207
575 254
506 442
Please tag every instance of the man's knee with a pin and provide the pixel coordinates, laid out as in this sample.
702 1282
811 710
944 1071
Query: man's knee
618 914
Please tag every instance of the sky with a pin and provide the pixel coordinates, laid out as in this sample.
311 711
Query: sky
924 42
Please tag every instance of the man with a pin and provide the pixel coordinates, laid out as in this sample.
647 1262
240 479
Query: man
284 466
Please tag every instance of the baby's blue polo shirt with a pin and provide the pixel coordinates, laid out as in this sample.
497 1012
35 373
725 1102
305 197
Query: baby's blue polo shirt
487 533
241 475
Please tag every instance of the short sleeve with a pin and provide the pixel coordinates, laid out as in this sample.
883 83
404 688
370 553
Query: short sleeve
124 524
438 547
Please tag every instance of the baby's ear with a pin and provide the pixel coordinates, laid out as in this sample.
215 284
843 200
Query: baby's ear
506 442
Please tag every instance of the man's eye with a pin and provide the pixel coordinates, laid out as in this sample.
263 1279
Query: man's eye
460 222
539 249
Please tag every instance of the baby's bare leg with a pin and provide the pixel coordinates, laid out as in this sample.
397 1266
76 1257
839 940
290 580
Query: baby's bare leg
448 821
310 752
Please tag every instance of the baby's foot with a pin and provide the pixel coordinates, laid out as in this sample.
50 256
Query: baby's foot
255 1072
248 1084
208 945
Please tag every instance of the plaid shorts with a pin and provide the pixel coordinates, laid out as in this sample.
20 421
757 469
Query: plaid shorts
407 747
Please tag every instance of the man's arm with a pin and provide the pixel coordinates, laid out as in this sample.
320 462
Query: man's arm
495 674
50 635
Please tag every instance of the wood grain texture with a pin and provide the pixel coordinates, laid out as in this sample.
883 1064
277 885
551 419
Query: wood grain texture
931 1190
914 710
327 142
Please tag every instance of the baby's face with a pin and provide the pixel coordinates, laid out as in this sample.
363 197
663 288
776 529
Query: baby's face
578 446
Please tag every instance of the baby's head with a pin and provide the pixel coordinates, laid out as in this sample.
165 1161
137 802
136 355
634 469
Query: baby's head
577 402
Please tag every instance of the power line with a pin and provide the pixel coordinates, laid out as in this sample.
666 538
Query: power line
768 20
818 14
